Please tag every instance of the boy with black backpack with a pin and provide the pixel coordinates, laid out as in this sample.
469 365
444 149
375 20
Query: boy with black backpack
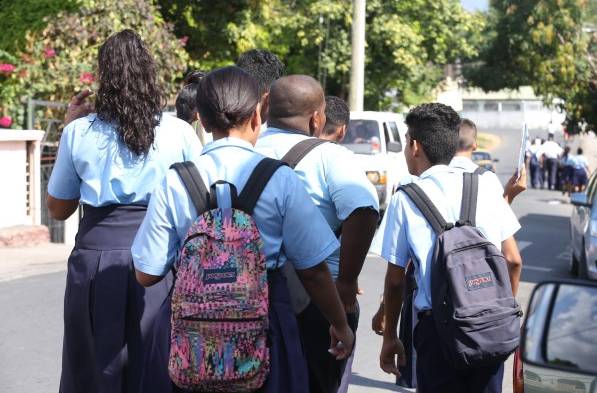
459 234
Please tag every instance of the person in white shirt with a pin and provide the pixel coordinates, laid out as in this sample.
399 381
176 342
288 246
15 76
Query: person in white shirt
535 164
550 151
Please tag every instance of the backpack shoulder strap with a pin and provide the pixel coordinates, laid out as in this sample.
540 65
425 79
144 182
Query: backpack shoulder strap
479 171
422 201
258 179
300 150
468 207
191 179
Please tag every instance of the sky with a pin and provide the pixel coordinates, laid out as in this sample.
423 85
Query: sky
475 5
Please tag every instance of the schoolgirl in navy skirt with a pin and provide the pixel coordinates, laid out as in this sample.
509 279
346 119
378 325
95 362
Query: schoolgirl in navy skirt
109 162
291 227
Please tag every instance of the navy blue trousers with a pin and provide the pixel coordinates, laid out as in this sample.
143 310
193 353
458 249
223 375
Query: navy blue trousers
552 171
106 312
435 373
288 367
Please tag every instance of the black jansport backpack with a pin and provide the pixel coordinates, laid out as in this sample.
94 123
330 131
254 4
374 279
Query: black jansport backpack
475 313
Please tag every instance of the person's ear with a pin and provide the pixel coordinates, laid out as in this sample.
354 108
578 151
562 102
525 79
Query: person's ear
416 148
475 146
342 133
256 119
264 107
316 123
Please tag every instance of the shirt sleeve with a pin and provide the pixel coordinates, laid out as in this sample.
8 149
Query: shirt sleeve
348 185
307 237
157 242
391 241
64 182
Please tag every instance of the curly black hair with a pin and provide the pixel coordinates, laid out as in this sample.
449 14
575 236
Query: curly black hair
129 94
262 65
186 102
435 126
336 113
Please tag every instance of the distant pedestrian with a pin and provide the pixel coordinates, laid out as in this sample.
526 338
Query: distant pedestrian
535 164
566 171
186 106
551 152
581 170
110 162
337 117
290 226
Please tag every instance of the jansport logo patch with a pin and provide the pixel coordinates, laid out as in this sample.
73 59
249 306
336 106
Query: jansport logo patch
479 281
219 276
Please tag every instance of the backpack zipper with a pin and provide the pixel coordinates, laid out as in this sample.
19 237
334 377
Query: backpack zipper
468 247
197 319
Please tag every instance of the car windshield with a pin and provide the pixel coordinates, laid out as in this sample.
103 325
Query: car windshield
363 137
481 156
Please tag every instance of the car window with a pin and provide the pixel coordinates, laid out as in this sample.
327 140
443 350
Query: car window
572 337
481 156
395 133
363 136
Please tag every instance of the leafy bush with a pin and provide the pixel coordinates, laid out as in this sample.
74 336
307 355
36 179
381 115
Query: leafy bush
60 59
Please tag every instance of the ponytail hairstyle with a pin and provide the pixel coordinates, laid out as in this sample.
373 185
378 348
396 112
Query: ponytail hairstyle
226 98
129 94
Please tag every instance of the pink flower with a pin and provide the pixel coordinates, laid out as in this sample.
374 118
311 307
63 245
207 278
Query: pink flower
7 68
5 121
49 53
183 40
87 78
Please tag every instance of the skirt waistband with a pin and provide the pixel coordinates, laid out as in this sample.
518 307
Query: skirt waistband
111 227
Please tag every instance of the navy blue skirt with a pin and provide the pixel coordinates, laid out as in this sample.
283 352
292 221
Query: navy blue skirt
288 367
106 312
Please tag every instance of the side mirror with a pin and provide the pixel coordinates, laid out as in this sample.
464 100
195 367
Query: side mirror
579 199
394 147
559 337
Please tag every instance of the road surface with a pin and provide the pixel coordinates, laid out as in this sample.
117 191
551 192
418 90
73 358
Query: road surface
31 307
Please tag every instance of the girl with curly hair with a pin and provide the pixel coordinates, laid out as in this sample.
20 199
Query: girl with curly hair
109 162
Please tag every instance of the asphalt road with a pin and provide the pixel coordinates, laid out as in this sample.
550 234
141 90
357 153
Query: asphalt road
31 308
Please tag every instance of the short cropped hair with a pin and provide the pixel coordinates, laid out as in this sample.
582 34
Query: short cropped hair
435 127
579 151
262 65
337 114
467 135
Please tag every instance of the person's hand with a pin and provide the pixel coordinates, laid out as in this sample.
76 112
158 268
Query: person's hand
378 321
348 294
390 349
342 342
79 107
515 185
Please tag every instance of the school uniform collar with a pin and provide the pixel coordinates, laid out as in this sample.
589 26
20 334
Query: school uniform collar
227 142
275 130
461 162
435 170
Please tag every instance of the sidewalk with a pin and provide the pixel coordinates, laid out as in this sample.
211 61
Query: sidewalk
22 262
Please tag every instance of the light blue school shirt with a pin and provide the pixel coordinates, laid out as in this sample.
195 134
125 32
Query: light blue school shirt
96 167
578 162
279 214
406 234
336 183
465 164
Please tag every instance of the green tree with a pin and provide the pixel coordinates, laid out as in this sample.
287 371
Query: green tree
61 58
408 41
542 43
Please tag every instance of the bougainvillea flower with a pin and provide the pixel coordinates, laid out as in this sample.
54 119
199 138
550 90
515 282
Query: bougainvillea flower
183 40
87 78
6 68
5 121
49 53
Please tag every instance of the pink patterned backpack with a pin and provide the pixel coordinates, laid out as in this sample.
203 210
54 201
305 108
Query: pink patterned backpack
220 297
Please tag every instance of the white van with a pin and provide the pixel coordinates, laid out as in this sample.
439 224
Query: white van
377 139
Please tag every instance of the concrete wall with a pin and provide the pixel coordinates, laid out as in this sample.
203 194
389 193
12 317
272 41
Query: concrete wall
20 177
511 114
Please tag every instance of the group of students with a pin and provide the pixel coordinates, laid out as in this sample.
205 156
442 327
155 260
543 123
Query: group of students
316 216
562 170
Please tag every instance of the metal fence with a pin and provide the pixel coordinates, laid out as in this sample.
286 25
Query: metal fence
47 116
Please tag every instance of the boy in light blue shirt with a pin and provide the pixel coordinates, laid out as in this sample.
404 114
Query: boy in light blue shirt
431 143
343 194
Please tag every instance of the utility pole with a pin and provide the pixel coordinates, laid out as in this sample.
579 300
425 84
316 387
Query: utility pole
357 69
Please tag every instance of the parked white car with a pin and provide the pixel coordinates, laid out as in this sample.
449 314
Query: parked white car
377 139
583 231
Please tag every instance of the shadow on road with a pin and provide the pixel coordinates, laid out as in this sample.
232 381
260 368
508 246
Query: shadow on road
358 380
544 241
